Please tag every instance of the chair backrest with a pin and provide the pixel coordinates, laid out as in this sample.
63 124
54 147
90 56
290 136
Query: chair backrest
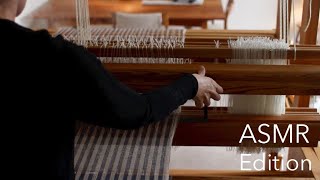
138 20
227 12
229 7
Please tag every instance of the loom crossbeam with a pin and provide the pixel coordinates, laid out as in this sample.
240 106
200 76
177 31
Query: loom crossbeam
182 174
213 132
250 79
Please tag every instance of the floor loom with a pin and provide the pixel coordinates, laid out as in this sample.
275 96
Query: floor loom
299 78
208 127
209 48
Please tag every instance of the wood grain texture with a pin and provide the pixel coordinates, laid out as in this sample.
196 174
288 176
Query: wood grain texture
298 155
241 178
310 35
310 154
317 150
235 79
224 129
188 173
301 109
293 110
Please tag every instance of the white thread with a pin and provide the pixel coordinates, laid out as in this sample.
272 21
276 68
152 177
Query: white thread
280 18
288 21
310 16
284 20
83 22
294 30
258 50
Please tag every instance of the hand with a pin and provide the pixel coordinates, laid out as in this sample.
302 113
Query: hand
207 89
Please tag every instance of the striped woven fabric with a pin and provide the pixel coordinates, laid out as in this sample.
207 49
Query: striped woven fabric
105 153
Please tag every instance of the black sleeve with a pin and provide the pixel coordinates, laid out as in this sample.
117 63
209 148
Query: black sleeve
102 99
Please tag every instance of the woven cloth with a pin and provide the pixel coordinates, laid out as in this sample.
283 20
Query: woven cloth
107 154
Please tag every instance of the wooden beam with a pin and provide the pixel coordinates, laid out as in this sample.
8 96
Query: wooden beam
304 101
317 150
241 178
192 130
235 79
310 36
189 173
301 109
210 173
315 162
277 34
226 129
225 109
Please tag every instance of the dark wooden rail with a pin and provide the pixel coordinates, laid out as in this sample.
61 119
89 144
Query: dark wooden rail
235 79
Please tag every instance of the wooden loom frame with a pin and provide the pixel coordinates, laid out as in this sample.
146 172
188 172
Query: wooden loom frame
206 132
310 153
160 74
198 46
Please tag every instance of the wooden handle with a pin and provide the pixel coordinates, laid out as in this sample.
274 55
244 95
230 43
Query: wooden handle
213 132
235 79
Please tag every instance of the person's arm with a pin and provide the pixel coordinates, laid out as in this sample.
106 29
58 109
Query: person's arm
103 100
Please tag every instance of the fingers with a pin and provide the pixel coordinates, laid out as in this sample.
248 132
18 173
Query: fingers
215 91
215 95
202 71
219 89
207 89
206 100
199 104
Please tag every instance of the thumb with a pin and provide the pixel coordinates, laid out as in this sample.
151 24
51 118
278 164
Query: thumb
202 71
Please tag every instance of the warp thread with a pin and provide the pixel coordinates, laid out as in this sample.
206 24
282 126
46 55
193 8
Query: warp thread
106 153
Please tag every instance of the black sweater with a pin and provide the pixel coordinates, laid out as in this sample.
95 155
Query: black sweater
48 83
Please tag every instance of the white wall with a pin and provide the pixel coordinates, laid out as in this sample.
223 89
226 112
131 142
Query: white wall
253 14
31 6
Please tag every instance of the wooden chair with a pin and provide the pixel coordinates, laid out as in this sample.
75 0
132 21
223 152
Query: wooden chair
228 10
227 13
